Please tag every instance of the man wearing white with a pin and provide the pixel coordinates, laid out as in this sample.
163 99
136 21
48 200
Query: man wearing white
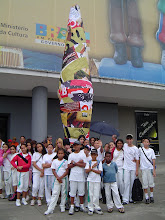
131 164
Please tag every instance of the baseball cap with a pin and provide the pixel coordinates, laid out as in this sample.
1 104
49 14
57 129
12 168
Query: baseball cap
129 136
77 143
9 140
94 151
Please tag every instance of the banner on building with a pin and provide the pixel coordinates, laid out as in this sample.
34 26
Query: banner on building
147 127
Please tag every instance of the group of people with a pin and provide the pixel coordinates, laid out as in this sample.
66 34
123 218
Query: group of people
77 173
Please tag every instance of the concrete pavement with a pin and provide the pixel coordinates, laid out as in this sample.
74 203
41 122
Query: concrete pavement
138 211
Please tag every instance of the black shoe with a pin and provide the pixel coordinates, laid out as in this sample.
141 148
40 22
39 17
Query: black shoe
13 198
136 57
124 203
147 201
67 206
77 209
120 56
151 200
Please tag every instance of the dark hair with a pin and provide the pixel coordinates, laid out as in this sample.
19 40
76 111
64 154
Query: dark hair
146 138
44 141
118 141
23 144
6 145
107 153
14 147
66 142
33 142
81 137
43 149
65 153
51 145
31 149
23 137
129 136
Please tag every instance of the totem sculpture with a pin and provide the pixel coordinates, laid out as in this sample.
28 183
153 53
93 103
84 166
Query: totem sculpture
118 33
160 35
75 87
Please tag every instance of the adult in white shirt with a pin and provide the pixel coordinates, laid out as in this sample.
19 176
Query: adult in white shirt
131 164
22 141
48 174
118 158
99 147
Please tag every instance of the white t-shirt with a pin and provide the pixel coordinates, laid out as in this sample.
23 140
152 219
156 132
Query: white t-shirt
56 164
77 173
100 156
89 158
39 158
94 177
144 162
130 154
118 158
6 163
48 159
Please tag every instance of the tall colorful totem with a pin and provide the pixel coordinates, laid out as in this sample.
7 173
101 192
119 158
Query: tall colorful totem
75 86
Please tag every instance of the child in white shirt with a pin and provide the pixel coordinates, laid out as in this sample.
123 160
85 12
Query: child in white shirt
7 172
131 163
94 169
147 166
60 171
48 174
14 174
38 174
77 162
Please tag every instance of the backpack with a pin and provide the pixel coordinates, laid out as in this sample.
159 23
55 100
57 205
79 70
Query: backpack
98 162
137 190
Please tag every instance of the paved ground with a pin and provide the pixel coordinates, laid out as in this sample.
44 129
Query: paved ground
156 211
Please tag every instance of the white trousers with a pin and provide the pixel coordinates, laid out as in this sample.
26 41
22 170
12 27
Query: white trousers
129 177
147 179
23 180
115 193
1 175
49 179
57 188
93 196
38 185
14 177
120 180
77 186
8 182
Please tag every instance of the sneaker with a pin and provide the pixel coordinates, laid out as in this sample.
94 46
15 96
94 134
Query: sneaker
82 209
99 212
32 202
77 209
18 203
71 210
48 212
39 202
90 212
24 201
151 200
13 198
27 198
147 201
2 196
124 203
62 209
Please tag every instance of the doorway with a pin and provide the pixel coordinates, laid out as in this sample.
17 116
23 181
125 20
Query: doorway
4 127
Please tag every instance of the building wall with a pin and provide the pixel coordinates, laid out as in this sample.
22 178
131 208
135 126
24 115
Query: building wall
20 108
